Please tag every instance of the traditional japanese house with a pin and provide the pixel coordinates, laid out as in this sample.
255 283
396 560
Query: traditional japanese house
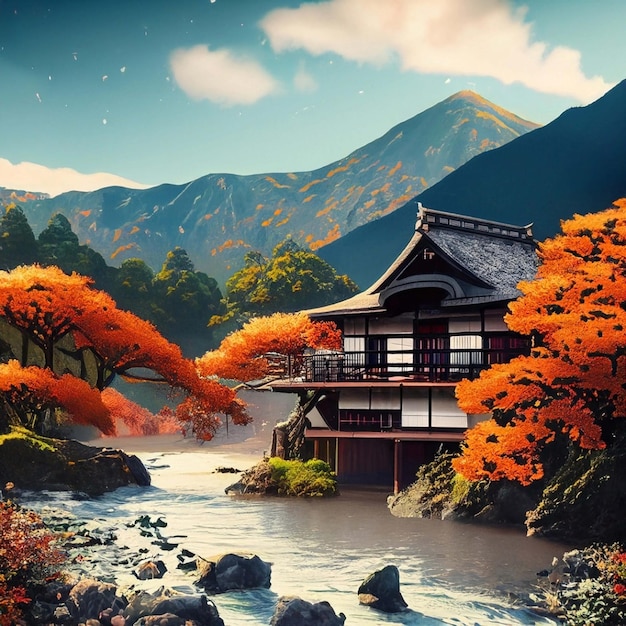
386 403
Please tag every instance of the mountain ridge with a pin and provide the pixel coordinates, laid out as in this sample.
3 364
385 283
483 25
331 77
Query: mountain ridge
217 218
574 164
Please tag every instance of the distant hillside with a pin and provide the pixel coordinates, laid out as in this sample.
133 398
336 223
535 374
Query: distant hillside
219 217
8 196
575 164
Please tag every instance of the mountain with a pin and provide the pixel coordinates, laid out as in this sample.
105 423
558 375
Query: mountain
575 164
9 196
219 217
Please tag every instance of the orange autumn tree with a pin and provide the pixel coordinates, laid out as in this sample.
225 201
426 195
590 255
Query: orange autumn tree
47 307
242 355
137 419
573 382
42 303
27 394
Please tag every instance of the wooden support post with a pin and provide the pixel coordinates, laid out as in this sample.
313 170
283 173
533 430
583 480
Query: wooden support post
316 448
397 465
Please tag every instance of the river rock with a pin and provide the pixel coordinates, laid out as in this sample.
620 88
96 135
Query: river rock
165 604
167 619
381 590
229 572
293 611
256 480
88 598
148 570
67 465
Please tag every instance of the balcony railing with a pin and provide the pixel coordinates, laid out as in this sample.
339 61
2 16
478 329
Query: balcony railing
439 365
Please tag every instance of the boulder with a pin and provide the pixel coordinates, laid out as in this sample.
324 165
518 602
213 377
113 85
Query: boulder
293 611
36 463
229 572
256 480
150 569
167 619
145 609
381 590
88 598
584 501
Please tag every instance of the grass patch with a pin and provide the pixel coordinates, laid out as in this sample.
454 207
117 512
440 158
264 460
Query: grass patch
303 478
36 441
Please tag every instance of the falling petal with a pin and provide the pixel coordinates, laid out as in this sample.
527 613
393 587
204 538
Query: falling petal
123 69
104 77
38 97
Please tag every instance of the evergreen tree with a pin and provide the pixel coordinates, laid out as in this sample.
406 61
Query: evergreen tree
133 290
17 241
59 246
186 301
291 280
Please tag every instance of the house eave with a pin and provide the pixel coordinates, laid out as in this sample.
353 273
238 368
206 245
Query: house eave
449 435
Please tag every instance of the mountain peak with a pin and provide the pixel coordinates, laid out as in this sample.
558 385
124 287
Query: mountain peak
218 217
466 94
574 164
469 96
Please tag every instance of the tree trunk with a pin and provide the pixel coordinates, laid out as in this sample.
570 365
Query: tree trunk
288 437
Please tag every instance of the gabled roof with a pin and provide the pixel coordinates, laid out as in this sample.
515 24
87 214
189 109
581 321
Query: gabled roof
489 259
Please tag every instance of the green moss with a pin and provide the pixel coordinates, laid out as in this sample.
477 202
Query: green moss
460 489
309 478
36 441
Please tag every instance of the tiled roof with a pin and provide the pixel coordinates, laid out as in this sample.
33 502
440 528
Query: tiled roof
499 261
500 255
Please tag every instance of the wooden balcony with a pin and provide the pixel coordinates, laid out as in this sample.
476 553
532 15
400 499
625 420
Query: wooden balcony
443 365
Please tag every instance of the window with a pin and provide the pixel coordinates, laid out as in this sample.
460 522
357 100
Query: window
466 344
400 354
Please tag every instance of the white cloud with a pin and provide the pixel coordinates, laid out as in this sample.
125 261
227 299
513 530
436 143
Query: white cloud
219 76
452 37
303 81
38 178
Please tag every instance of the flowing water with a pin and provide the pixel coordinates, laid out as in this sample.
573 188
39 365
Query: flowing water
320 549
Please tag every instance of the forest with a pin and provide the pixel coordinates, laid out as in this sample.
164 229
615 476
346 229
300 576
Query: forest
186 306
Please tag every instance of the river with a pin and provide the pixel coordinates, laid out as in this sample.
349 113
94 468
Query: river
321 549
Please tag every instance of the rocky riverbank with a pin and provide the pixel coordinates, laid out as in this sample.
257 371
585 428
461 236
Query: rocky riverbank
82 597
111 547
581 500
31 462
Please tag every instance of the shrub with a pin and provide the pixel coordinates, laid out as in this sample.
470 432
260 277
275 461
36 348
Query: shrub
592 587
28 559
298 478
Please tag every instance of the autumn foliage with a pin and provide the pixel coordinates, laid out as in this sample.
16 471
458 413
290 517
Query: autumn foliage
573 381
28 557
69 341
136 419
242 355
27 393
72 341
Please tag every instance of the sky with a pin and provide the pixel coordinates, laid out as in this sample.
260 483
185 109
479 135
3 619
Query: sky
144 92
